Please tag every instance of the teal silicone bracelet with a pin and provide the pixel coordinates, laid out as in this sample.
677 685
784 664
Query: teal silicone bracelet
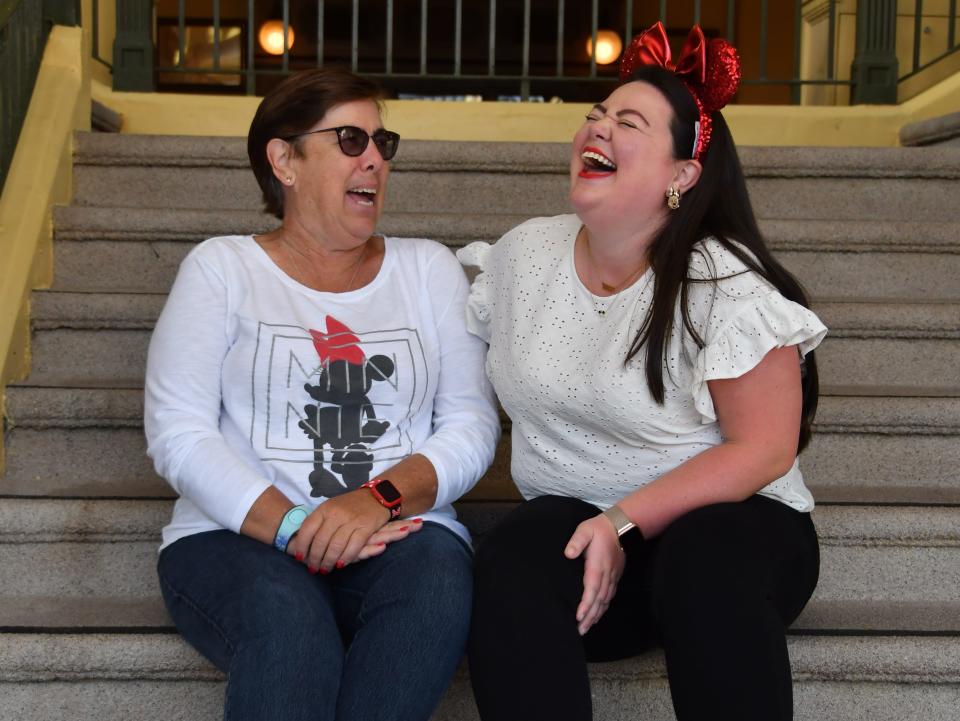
292 520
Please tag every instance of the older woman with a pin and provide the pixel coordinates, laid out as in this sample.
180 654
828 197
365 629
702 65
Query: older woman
314 398
650 352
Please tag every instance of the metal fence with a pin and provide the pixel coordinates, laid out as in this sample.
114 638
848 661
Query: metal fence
524 49
22 38
24 26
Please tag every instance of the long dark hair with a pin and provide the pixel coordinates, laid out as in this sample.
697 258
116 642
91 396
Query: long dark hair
717 206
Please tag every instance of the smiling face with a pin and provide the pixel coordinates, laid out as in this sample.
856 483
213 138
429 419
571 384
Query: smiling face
622 161
337 196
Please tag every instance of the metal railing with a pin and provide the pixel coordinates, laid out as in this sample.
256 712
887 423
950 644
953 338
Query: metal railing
22 37
524 49
24 26
927 48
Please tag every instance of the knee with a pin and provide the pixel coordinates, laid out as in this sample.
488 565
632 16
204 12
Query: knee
438 576
529 542
704 564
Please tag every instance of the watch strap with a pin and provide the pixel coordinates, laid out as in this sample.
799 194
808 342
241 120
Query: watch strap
620 521
292 520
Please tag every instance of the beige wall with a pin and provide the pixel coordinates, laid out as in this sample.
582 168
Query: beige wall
862 125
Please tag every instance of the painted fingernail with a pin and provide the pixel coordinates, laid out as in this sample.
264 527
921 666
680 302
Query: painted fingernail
312 569
324 571
299 556
382 543
404 528
418 520
340 564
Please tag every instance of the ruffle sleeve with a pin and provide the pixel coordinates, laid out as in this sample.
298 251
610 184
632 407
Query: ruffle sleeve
481 299
761 324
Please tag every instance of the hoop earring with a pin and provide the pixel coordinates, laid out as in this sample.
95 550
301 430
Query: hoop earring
673 198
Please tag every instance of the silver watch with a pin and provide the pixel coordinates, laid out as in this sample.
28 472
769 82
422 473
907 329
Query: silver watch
616 516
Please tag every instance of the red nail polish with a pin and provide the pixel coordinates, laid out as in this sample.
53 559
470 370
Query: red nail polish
418 520
312 569
340 564
324 572
299 556
404 528
381 543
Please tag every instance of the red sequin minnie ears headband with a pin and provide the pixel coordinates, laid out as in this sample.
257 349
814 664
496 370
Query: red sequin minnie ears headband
710 70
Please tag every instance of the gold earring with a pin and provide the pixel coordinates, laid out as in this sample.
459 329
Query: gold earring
673 198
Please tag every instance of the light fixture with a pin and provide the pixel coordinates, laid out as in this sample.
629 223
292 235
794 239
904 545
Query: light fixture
271 37
608 47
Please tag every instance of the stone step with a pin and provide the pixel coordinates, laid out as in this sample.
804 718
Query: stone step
104 675
835 259
823 183
92 357
871 445
846 319
881 554
89 614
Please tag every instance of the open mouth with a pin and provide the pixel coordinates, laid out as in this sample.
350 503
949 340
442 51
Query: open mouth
365 196
596 164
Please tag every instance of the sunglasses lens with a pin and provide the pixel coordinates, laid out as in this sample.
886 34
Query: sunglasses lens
353 141
386 143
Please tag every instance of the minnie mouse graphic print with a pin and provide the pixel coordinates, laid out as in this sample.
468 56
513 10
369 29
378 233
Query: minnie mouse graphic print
313 392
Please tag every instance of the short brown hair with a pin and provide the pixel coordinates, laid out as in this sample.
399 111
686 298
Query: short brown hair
293 107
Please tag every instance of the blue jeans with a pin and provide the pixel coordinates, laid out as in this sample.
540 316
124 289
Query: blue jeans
377 640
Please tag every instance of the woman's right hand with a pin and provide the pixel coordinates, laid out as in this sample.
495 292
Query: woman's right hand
338 530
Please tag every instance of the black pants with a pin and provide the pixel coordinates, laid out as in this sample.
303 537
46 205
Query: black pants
716 591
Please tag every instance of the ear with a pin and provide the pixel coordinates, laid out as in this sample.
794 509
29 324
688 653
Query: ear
280 155
688 173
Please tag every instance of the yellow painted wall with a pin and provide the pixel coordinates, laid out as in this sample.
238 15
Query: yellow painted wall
861 125
39 177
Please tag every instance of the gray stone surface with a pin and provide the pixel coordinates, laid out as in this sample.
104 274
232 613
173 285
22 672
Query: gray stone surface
82 462
86 223
118 357
104 676
872 449
150 267
942 130
503 157
894 184
883 554
92 613
858 409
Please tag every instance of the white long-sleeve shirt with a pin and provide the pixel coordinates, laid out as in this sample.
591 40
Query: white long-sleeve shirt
255 380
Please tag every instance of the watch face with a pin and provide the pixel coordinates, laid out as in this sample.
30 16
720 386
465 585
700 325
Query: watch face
388 491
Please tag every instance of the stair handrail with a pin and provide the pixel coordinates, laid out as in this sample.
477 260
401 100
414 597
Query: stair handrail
39 177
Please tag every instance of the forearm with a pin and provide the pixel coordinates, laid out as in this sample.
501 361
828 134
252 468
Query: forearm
416 479
728 472
264 517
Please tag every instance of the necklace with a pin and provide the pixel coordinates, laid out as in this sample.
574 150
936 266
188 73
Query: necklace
299 277
617 289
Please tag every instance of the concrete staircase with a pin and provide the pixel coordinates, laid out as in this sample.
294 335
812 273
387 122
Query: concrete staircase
875 235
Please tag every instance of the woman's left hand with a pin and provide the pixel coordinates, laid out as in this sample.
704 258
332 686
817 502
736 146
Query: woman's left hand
604 560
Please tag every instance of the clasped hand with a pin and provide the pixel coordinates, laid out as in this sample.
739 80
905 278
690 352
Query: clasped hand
351 527
603 563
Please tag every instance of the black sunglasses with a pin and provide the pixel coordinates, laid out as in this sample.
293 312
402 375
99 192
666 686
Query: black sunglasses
353 140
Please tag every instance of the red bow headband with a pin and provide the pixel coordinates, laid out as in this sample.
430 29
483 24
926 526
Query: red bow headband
710 70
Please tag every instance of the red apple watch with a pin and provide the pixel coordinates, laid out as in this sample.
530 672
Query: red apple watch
386 494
